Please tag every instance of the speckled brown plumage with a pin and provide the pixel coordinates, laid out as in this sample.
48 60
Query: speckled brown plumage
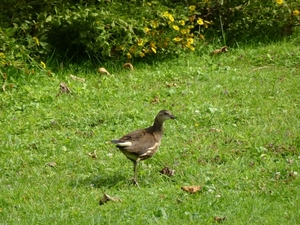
142 144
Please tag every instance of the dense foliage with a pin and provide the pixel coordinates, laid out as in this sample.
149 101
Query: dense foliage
69 30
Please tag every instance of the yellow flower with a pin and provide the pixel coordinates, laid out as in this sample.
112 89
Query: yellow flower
192 7
200 21
190 47
182 22
153 49
132 49
146 29
36 40
145 50
279 2
140 42
296 12
168 15
171 18
43 64
153 44
175 27
190 40
183 31
191 26
142 54
129 56
2 55
177 39
196 124
154 23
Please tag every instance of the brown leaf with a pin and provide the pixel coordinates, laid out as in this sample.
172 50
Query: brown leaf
52 164
63 88
215 130
4 76
173 84
221 50
102 70
191 189
155 100
107 198
219 219
77 78
93 154
167 171
192 18
128 66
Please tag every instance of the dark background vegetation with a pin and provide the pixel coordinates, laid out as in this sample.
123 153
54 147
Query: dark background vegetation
74 31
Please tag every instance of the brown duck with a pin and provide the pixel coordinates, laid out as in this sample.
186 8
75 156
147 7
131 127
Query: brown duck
142 144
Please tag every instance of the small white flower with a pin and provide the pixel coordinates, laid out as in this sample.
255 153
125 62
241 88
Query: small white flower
197 111
295 173
218 196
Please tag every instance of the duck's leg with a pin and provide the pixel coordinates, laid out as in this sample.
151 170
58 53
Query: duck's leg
135 178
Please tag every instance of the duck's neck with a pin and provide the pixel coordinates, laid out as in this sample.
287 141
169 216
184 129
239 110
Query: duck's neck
158 125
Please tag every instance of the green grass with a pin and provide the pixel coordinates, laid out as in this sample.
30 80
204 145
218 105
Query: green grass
237 136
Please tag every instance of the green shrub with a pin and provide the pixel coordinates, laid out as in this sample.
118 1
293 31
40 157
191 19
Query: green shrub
19 46
32 32
133 30
237 21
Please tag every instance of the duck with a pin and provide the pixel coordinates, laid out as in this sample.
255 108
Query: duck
142 144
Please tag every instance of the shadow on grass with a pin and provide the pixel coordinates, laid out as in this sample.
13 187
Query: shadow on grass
100 181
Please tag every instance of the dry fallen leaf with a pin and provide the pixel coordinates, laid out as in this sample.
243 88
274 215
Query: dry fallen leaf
167 171
215 130
260 68
52 164
63 88
93 154
171 85
191 189
77 78
221 50
102 70
155 100
192 18
179 200
219 219
128 66
107 198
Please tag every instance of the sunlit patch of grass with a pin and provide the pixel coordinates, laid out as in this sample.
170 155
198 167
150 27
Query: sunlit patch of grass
236 135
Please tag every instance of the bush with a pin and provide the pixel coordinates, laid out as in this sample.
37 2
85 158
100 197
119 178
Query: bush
133 30
73 30
239 21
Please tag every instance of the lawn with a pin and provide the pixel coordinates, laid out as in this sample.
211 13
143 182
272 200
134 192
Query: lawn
236 135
